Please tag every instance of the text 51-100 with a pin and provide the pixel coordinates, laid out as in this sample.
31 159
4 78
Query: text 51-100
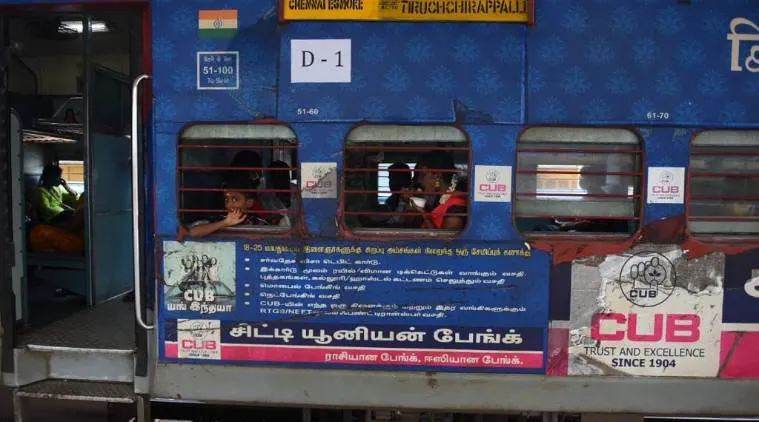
654 115
307 111
218 70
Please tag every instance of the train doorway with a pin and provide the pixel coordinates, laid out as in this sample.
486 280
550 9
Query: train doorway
69 98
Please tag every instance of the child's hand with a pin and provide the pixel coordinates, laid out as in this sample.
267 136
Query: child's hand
234 218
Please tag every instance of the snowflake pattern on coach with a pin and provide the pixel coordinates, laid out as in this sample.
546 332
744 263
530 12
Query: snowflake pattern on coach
412 72
674 60
663 57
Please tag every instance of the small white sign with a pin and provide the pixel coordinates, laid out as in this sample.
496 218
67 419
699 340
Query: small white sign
218 70
666 185
199 339
320 61
318 180
492 183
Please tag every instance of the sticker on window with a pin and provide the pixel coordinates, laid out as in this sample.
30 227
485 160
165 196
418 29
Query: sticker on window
319 180
492 183
666 185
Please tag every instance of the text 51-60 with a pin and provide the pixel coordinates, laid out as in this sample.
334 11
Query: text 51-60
307 111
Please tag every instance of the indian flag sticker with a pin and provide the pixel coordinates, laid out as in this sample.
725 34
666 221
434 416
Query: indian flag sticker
217 23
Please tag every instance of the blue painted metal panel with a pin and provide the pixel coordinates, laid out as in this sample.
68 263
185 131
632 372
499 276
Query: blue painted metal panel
664 147
165 177
616 61
413 73
594 62
176 44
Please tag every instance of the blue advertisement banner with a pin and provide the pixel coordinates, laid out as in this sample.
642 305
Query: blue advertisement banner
443 307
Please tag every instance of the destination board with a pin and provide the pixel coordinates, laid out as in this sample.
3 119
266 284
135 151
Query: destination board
409 10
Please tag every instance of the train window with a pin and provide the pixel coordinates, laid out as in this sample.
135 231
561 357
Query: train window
73 172
400 178
237 177
577 181
724 183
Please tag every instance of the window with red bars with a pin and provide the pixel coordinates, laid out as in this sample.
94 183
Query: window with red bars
578 181
237 177
405 178
724 183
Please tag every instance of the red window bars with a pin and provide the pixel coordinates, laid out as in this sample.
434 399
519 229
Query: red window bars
251 168
724 183
577 181
405 178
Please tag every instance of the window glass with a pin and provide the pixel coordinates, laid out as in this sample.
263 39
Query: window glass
724 185
73 173
237 177
406 178
578 180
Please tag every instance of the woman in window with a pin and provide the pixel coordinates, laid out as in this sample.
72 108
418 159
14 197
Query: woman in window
443 205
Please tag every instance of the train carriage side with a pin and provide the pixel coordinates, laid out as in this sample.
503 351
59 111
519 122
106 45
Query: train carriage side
481 217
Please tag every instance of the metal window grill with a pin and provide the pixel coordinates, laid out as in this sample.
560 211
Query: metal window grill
723 183
578 180
210 156
376 155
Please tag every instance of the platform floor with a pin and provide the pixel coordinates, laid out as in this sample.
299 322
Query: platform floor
109 325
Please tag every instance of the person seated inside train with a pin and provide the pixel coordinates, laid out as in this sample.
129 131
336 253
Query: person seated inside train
56 203
399 178
285 200
266 200
250 159
55 215
442 205
70 117
593 184
241 206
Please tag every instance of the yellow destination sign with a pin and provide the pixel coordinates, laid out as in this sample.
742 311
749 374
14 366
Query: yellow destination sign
409 10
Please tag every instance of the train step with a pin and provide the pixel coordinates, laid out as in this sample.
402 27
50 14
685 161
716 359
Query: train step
47 392
91 345
106 392
36 363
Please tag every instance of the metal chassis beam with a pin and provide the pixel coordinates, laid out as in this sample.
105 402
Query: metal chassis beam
455 392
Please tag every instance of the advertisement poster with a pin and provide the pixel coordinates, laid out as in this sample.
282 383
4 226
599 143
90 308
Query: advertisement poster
492 183
198 339
650 312
406 306
199 277
666 185
318 180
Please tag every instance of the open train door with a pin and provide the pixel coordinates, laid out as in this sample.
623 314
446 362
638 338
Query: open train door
7 296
